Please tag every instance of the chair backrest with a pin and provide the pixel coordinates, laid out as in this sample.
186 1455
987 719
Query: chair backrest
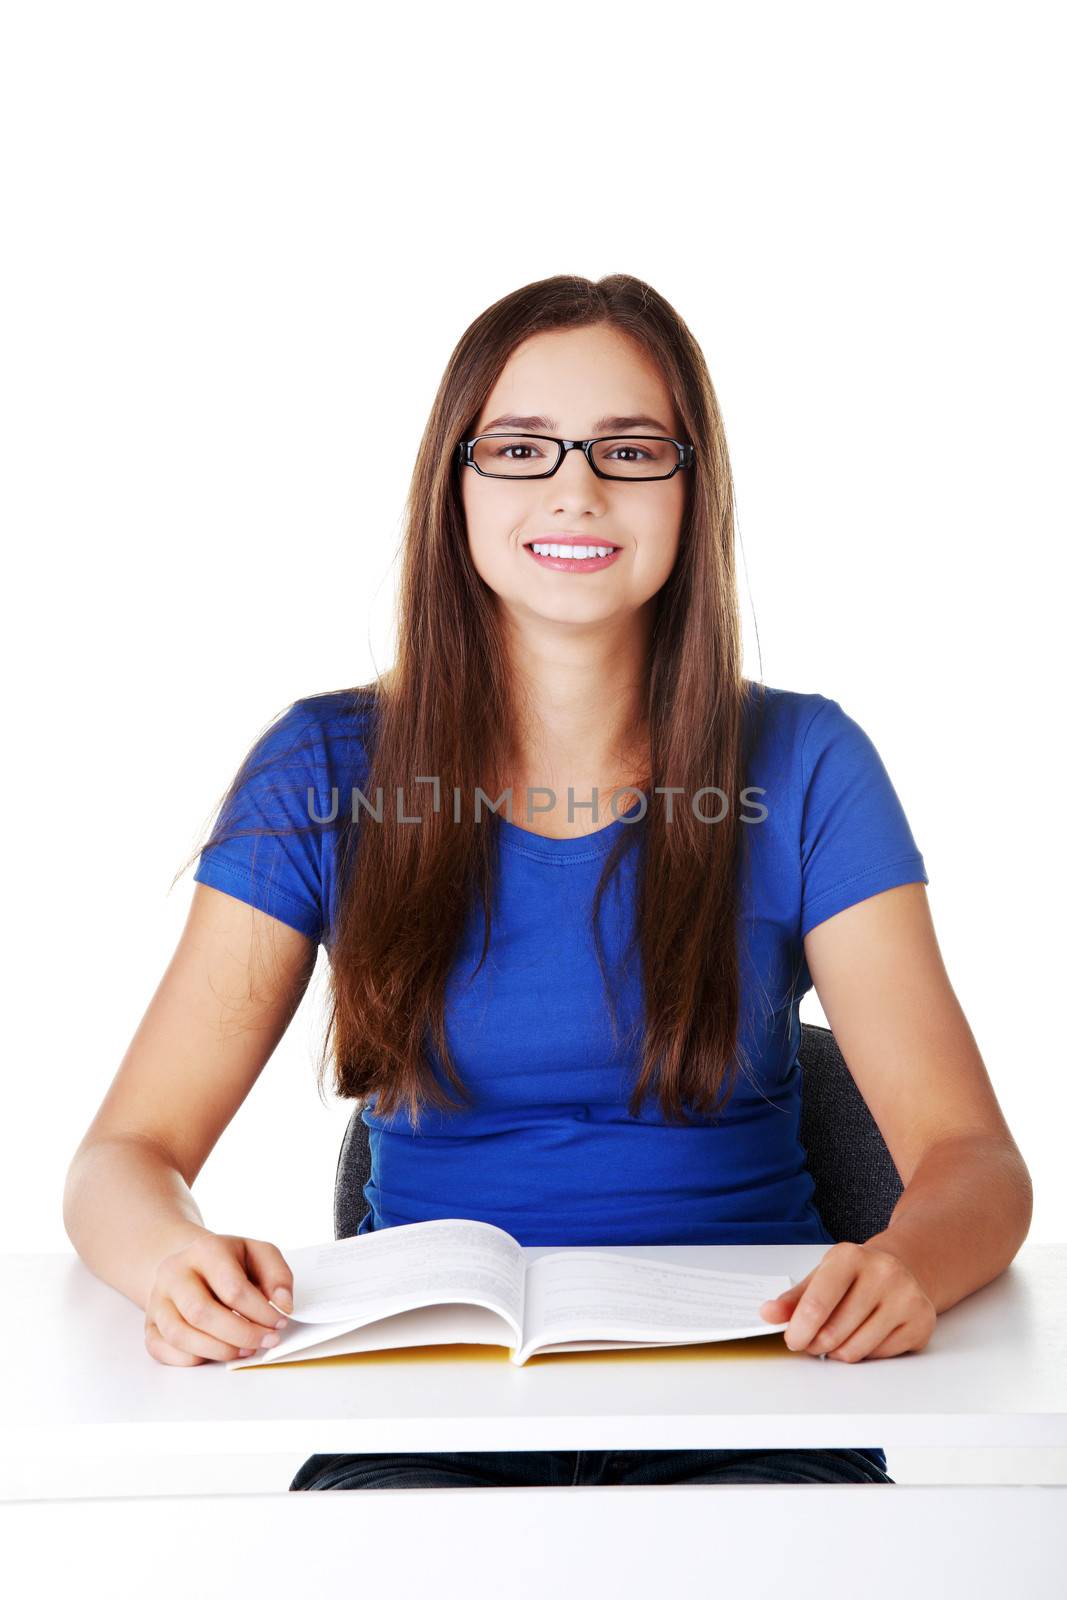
856 1183
353 1173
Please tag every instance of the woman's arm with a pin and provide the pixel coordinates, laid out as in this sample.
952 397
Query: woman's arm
967 1198
227 996
126 1207
963 1217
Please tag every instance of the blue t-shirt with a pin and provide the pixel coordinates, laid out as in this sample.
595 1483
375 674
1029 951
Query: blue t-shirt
549 1150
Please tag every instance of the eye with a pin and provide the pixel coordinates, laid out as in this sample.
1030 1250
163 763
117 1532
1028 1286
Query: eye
635 449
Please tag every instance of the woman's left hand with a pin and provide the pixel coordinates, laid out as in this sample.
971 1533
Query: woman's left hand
859 1301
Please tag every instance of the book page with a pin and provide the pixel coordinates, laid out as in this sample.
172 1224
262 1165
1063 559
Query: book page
357 1280
426 1325
574 1295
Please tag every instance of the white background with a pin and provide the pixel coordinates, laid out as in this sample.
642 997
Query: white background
242 241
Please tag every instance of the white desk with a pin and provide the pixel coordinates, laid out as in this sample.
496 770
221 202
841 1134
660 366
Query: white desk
725 1542
78 1383
80 1392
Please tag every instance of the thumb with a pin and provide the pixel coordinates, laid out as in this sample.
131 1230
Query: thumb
781 1308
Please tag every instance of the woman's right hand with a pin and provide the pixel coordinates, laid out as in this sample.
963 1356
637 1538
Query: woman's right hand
209 1300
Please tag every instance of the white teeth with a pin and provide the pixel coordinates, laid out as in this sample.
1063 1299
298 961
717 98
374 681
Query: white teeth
576 552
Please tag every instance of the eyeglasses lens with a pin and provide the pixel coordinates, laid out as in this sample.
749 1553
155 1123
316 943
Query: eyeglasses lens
526 455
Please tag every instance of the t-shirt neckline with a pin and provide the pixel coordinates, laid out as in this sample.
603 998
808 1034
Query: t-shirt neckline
597 843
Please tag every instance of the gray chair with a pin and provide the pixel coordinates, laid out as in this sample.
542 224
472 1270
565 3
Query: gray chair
856 1183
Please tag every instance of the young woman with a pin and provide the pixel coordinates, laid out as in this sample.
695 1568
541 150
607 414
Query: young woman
577 1017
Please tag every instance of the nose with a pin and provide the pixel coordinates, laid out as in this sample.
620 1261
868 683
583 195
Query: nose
574 481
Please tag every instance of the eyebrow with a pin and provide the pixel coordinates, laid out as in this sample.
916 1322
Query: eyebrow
602 424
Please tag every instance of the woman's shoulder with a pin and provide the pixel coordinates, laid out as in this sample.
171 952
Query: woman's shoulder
783 718
813 751
338 722
318 739
338 710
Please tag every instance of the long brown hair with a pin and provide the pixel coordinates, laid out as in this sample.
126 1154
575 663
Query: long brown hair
447 707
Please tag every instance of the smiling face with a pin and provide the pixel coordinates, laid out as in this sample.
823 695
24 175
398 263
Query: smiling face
566 382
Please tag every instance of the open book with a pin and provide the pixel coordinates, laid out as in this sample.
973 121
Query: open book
454 1281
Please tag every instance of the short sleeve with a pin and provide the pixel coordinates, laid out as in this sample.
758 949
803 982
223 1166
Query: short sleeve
266 845
855 838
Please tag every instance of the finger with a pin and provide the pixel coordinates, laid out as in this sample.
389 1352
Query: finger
851 1312
829 1283
268 1268
775 1310
159 1348
897 1343
223 1269
868 1336
782 1306
219 1332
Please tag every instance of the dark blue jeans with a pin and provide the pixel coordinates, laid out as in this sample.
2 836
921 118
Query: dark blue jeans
444 1469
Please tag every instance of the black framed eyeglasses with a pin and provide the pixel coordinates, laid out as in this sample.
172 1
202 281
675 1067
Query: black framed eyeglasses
627 456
